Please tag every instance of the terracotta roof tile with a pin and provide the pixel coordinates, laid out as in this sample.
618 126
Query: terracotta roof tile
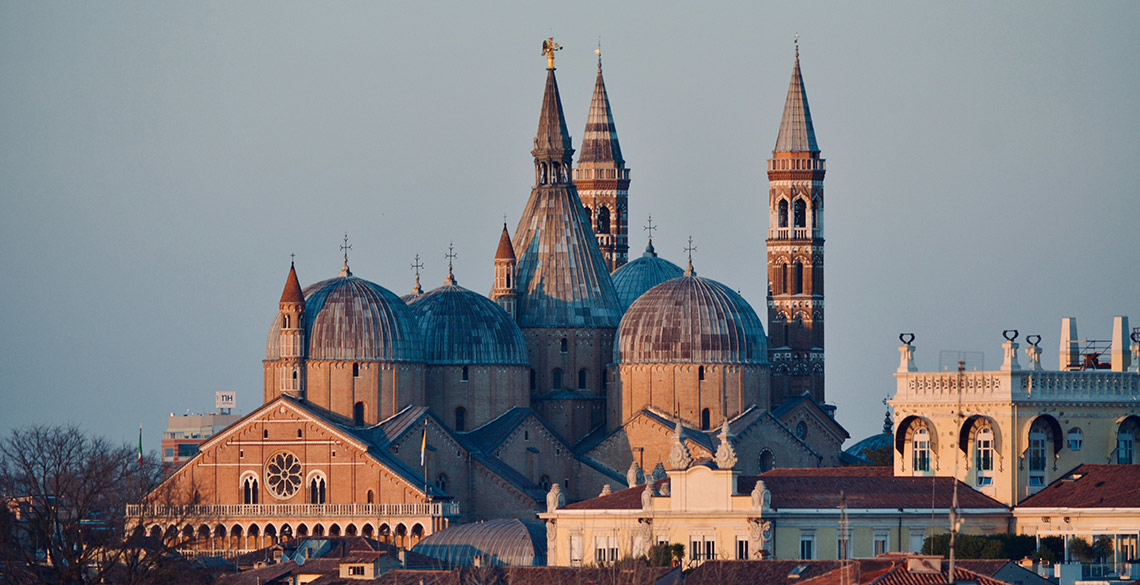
627 499
863 487
796 131
773 572
1091 486
292 292
506 251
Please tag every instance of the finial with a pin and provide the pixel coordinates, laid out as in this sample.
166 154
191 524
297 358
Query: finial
887 423
450 255
598 52
797 46
417 265
649 228
690 249
345 247
548 49
292 257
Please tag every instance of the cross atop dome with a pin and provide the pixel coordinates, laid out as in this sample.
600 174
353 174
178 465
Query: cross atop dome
417 265
450 255
690 249
345 247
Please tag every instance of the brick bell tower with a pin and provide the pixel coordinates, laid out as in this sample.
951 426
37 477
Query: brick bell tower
795 252
602 178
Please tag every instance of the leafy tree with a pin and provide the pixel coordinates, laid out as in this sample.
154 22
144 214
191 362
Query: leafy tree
882 457
1102 547
1081 550
664 554
970 546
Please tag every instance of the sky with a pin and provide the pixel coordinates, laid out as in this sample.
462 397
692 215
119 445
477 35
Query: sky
160 161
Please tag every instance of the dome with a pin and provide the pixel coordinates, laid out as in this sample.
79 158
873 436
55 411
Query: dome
464 327
349 318
503 542
691 320
644 273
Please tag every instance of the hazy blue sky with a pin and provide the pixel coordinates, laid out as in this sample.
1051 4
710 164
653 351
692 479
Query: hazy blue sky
160 161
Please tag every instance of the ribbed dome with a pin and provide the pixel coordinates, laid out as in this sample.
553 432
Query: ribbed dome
464 327
691 320
348 318
503 542
644 273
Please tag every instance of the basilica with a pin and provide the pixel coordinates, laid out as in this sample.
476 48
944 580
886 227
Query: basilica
582 372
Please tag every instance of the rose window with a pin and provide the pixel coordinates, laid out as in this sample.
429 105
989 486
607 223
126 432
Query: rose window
283 475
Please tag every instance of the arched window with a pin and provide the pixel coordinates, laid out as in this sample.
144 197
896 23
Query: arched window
706 419
1126 442
921 452
603 220
355 370
460 419
782 213
1036 457
700 372
249 490
589 215
441 482
317 489
465 373
984 456
370 497
767 461
582 379
565 345
556 379
286 325
544 483
1075 439
780 286
533 379
508 279
799 214
358 414
797 284
815 213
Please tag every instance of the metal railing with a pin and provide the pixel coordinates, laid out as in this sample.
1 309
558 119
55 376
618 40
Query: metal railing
436 509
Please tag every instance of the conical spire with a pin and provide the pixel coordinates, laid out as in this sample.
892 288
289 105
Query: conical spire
796 132
553 139
600 140
506 251
562 278
292 292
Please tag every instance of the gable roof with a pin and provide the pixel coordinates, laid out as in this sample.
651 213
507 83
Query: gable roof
863 487
1091 486
807 399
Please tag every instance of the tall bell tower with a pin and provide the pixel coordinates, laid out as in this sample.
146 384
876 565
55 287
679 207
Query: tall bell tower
795 251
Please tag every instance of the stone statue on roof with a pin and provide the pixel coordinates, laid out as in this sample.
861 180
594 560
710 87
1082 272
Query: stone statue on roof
634 477
555 499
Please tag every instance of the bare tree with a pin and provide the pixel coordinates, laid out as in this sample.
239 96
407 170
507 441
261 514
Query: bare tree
65 496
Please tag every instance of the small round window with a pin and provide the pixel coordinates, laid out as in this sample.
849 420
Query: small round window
283 475
801 429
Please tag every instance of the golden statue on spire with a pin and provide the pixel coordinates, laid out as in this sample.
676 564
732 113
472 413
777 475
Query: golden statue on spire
548 49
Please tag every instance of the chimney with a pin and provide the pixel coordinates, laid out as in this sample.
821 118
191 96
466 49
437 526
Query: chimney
1069 357
1121 357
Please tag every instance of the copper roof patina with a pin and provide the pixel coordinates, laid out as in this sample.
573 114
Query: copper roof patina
460 326
691 319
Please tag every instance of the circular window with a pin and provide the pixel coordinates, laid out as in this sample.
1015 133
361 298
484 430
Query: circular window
801 429
283 475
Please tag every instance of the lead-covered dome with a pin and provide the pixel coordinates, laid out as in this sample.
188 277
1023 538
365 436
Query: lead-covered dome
460 326
633 279
352 319
691 320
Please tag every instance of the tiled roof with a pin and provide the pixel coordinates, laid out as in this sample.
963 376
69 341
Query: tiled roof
768 572
561 278
627 499
492 434
464 327
1091 486
275 573
505 251
691 319
796 131
863 487
600 140
292 292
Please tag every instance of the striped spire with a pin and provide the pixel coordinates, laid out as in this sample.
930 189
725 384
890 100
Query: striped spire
600 140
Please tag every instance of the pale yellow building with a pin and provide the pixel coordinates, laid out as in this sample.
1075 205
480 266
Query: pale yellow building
1010 432
716 513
